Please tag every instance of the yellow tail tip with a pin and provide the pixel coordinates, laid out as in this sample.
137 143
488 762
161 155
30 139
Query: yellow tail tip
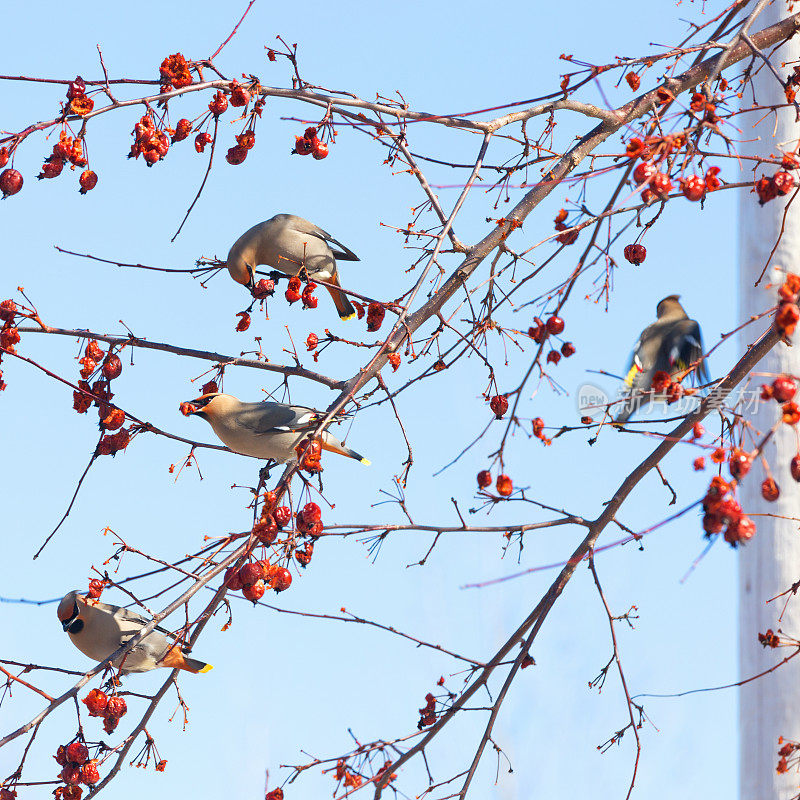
348 317
366 462
207 668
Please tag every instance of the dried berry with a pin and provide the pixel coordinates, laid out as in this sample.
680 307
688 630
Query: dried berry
769 490
175 70
765 189
244 323
786 318
567 349
112 366
499 405
633 80
538 331
375 314
200 142
302 146
283 516
236 154
116 707
311 513
89 773
484 478
264 288
96 701
504 485
96 588
182 130
712 181
699 464
232 579
218 104
312 341
319 150
239 95
77 753
51 168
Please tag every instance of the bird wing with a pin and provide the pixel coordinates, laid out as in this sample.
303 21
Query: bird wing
264 418
125 614
342 254
682 346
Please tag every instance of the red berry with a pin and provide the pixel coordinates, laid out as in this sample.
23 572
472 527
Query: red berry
89 773
712 181
251 572
504 485
769 490
283 516
8 309
538 428
786 318
70 774
10 182
633 80
77 753
643 173
765 189
96 702
635 253
88 181
4 155
499 405
783 388
236 154
555 325
693 188
312 341
739 463
783 182
263 289
112 366
740 531
553 357
699 464
794 467
567 349
51 168
302 146
484 478
698 430
661 184
320 151
247 140
281 579
110 723
218 104
244 323
311 513
182 130
538 331
233 579
239 95
116 707
375 314
712 523
61 756
96 588
254 591
200 141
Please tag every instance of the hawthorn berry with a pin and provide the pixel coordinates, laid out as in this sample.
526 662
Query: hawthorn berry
266 531
116 707
633 80
61 756
182 130
281 579
712 181
765 189
96 702
4 156
504 485
741 531
499 405
783 388
555 325
112 366
236 154
87 181
643 173
283 516
218 104
254 591
311 513
375 314
302 146
484 478
770 490
77 753
693 188
292 292
89 773
70 774
635 253
10 182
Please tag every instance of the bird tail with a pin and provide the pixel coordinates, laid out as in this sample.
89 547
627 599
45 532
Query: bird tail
335 446
343 305
175 659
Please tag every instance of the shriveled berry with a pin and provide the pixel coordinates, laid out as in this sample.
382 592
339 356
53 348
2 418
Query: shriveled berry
504 485
266 531
786 318
77 753
538 331
244 322
263 288
311 513
96 588
499 405
236 154
233 579
567 349
312 341
218 104
794 467
375 314
283 516
712 181
302 146
239 95
51 168
89 773
116 707
87 180
96 702
61 756
635 253
770 490
71 774
699 464
320 150
200 142
484 478
182 130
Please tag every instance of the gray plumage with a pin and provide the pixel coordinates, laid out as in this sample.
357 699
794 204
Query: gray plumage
289 243
264 430
670 345
98 629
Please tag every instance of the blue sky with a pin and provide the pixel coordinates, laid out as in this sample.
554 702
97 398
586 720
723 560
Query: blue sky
282 683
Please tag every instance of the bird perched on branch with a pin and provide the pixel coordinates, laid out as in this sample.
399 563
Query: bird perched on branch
100 629
264 430
291 244
671 344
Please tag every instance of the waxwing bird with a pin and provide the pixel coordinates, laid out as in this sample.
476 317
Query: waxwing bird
670 344
289 244
264 430
99 629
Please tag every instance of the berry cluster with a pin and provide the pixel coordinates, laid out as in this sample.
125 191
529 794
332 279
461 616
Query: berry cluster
504 484
309 144
788 312
77 767
111 709
722 510
293 293
780 184
9 334
554 325
253 578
